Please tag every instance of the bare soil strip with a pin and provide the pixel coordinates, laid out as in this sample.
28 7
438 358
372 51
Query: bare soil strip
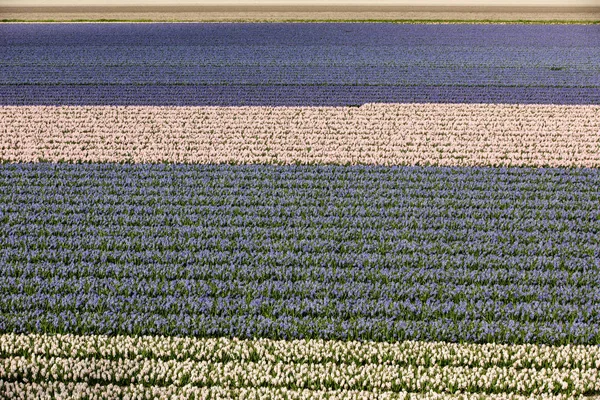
302 13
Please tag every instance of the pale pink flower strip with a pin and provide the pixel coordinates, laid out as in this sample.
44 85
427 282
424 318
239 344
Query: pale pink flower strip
383 134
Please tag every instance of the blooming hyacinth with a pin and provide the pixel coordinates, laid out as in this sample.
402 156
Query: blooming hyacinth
299 211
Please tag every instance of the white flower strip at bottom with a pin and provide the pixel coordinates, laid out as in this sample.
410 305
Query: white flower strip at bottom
382 134
303 367
83 390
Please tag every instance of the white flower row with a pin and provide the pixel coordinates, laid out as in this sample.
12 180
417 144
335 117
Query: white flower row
302 364
83 390
302 351
385 134
373 377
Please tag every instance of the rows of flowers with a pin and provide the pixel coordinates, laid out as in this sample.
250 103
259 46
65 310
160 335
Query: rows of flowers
380 75
399 54
382 134
168 228
303 351
87 391
300 365
297 64
358 35
288 95
381 253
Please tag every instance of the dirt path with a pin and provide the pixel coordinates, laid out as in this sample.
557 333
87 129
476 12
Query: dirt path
309 13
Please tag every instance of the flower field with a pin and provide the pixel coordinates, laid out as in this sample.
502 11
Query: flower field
225 368
290 64
380 134
299 211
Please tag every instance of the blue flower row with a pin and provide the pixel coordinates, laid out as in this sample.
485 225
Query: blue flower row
370 253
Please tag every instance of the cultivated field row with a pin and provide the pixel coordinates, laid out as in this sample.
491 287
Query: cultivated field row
300 368
330 252
91 391
383 134
287 95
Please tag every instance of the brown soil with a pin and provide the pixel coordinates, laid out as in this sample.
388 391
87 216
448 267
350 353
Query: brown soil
287 13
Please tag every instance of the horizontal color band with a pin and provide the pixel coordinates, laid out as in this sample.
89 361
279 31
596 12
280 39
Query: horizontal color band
304 368
298 34
379 134
359 252
297 64
288 95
